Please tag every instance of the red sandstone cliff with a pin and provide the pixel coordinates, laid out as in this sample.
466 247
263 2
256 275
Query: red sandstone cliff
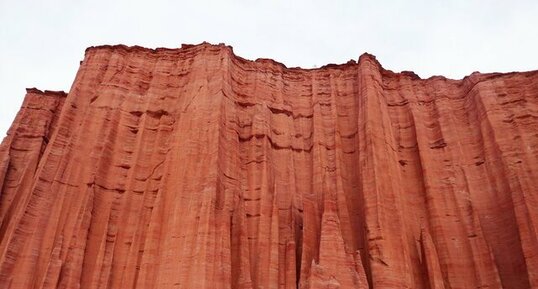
195 168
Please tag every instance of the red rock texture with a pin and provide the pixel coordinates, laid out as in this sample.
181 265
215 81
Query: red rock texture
195 168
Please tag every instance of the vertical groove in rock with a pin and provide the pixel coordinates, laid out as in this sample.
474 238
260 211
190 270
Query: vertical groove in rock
195 168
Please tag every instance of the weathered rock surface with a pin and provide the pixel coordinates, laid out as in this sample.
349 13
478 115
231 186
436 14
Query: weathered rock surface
195 168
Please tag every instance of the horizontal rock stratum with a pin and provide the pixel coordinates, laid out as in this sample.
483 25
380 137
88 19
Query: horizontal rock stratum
195 168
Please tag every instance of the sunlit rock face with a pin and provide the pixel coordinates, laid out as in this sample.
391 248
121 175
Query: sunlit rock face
195 168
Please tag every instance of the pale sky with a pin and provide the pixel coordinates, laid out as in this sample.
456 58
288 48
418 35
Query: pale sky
42 42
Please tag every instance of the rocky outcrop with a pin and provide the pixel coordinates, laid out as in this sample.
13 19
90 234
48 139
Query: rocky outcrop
195 168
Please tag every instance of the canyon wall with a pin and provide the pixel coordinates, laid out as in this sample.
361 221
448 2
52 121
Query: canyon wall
195 168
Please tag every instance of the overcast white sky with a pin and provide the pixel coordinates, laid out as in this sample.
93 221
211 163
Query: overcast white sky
42 42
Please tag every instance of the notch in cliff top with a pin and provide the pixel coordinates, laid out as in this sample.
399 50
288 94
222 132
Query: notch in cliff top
34 90
186 47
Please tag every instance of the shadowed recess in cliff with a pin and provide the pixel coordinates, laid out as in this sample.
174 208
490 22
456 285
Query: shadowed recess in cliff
196 168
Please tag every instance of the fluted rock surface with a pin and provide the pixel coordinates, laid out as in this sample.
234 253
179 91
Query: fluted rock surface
195 168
